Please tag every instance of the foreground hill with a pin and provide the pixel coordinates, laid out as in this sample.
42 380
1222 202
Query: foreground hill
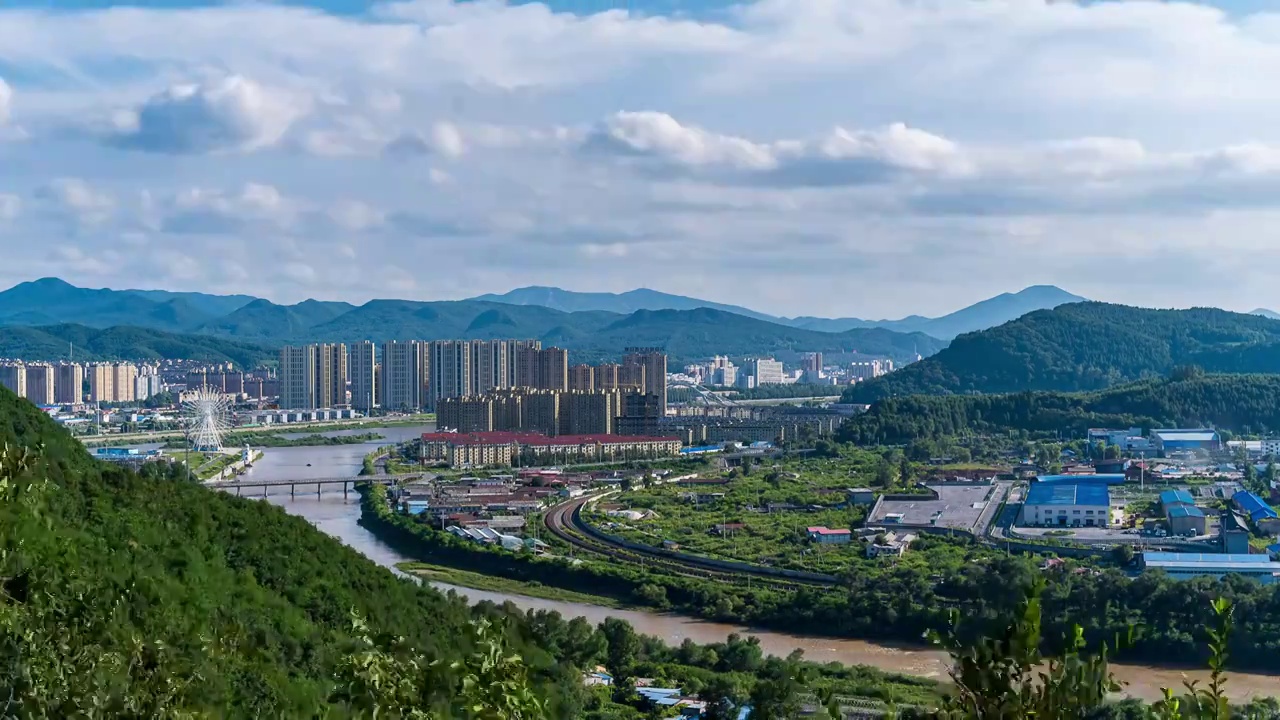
142 596
1086 346
125 343
1241 403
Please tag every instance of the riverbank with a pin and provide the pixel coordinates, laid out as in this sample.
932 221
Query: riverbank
417 421
493 583
278 440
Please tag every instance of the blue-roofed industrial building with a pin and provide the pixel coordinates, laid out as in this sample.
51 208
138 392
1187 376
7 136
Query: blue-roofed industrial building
1183 566
1068 504
1100 479
1186 520
1167 441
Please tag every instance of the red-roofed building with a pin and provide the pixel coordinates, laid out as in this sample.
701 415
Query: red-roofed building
523 448
827 536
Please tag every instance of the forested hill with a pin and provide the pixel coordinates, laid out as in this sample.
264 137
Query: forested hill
1243 403
1085 346
143 596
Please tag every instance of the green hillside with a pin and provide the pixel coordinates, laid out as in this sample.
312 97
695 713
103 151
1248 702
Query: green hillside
264 320
1243 403
1085 346
142 596
125 343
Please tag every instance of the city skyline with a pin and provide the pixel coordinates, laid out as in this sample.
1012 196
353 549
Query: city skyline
810 158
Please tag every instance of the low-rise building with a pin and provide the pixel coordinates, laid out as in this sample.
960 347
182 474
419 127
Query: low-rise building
893 544
828 536
1186 520
1169 499
1062 504
508 448
1183 566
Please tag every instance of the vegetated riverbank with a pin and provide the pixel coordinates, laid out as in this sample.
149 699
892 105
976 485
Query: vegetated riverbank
900 601
92 441
277 440
494 583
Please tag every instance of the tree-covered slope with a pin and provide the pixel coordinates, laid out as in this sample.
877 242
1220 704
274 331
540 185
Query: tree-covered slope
1086 346
1243 403
54 342
126 595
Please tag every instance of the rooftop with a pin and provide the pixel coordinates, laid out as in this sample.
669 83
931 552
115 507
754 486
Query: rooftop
1255 506
826 531
1186 511
1208 561
1198 435
529 438
1172 497
1068 494
1102 479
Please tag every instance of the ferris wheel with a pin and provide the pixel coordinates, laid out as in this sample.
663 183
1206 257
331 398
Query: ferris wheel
204 417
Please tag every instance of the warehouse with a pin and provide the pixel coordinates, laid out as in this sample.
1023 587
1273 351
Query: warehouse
1170 499
1167 441
1182 566
1186 520
1068 505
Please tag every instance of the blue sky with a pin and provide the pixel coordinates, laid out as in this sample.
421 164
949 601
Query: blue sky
821 157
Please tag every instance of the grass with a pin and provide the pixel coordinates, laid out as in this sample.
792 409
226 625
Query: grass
490 583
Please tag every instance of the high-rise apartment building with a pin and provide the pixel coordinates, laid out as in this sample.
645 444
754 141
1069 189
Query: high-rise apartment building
546 369
607 376
149 383
654 361
298 377
40 384
641 413
582 377
631 377
466 414
68 384
541 411
451 372
331 375
14 377
813 364
362 363
102 377
590 412
767 371
124 381
405 375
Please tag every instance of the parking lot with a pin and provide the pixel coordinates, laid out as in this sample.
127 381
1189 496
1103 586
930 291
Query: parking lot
957 507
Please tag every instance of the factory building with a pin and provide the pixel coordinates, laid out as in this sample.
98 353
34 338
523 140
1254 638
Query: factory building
1186 520
1167 441
1183 566
1068 505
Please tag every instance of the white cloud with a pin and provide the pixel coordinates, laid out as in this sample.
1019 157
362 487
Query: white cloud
233 113
824 156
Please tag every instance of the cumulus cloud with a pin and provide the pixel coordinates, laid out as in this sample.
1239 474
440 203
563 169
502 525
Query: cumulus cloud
234 113
77 197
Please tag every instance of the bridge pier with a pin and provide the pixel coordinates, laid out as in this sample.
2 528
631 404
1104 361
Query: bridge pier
344 489
292 490
317 491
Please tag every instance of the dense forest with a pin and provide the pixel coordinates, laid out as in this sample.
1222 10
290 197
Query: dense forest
56 342
1085 346
1241 403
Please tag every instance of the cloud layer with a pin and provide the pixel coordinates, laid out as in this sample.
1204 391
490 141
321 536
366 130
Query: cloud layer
818 157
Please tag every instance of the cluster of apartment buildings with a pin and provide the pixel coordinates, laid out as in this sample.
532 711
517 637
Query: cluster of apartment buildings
423 375
511 449
66 383
759 372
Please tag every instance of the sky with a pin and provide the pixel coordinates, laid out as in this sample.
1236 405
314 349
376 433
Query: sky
869 158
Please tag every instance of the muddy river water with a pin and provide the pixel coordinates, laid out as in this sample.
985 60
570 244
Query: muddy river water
338 517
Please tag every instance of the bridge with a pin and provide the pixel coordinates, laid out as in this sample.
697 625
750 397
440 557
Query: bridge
348 483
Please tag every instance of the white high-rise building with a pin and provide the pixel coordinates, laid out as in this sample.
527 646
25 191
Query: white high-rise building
362 368
405 376
767 371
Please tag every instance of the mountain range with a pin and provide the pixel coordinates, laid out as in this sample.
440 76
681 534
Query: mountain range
51 305
1086 346
980 316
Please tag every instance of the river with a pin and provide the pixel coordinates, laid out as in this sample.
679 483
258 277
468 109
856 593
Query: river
338 517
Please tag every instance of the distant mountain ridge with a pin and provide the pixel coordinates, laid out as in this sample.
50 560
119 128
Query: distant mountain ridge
28 312
980 316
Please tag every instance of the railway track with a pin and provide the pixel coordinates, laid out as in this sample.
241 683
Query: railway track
565 522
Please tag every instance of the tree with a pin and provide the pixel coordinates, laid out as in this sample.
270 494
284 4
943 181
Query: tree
884 474
905 473
623 646
1112 452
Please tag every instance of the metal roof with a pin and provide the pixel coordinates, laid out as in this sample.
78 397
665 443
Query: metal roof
1186 511
1208 562
1170 497
1255 506
1104 479
1186 435
1068 494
